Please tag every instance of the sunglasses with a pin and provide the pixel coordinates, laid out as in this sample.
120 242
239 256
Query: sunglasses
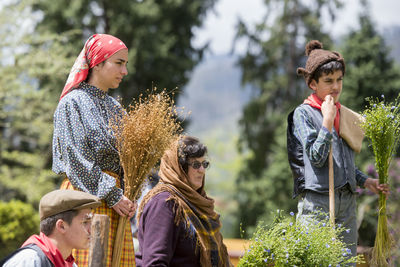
197 164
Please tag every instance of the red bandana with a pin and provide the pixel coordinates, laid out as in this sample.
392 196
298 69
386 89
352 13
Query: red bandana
50 250
314 101
97 48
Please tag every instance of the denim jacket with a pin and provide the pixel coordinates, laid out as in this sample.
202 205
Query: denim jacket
308 149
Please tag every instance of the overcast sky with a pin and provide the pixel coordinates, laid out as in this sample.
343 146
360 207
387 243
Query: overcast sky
219 27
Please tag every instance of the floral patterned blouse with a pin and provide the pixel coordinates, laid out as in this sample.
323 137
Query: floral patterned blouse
83 143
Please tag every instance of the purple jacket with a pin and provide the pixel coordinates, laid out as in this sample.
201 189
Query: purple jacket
161 241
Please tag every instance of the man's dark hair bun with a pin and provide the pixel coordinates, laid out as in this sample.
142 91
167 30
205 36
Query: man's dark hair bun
311 45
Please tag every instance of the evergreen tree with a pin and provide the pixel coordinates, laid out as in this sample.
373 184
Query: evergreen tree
370 71
157 33
26 110
275 50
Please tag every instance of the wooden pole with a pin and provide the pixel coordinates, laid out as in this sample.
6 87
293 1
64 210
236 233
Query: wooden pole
119 241
99 241
331 190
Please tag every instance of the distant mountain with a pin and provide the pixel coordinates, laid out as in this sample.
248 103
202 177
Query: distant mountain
214 95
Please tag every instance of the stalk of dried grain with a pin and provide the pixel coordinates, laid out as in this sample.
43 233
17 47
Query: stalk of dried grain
147 129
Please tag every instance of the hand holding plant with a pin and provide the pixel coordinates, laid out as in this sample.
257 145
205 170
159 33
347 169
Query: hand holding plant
382 128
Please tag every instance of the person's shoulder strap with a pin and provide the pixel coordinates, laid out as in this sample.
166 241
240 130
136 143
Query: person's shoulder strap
45 262
295 157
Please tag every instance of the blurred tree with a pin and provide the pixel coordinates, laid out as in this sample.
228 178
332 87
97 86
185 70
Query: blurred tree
18 221
157 33
370 71
26 111
220 178
275 49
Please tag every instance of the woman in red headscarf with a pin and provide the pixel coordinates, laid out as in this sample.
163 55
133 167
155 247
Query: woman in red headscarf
84 147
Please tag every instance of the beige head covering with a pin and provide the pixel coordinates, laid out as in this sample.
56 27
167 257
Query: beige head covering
58 201
174 180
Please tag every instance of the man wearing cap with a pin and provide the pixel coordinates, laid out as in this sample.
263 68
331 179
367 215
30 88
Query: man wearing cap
65 221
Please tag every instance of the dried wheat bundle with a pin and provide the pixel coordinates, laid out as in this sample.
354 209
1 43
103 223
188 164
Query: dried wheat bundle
148 128
143 134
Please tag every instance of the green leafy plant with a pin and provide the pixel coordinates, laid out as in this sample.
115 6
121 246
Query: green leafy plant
287 242
382 128
18 221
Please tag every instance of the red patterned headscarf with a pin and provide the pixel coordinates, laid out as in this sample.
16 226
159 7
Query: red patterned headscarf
97 48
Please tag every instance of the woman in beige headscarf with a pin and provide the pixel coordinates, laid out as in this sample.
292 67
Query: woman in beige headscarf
178 225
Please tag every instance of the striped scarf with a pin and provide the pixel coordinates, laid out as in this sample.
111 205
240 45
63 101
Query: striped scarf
193 208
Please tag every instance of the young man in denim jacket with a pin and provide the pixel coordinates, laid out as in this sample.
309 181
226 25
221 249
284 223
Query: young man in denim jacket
315 127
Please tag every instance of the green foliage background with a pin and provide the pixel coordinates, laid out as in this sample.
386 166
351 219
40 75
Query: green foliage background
157 33
17 220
